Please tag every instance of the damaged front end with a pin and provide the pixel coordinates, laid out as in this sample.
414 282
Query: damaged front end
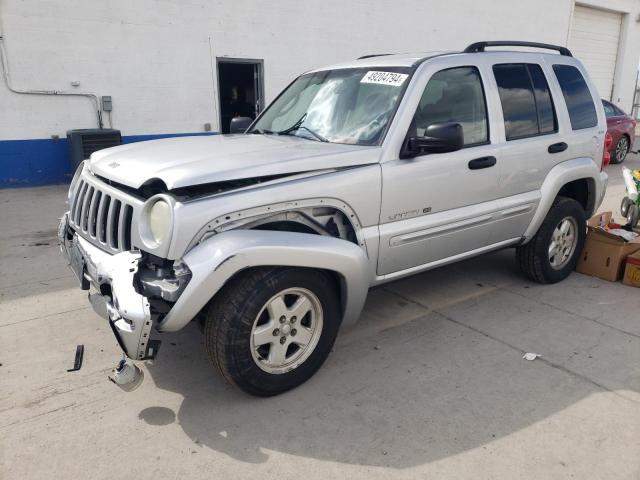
131 289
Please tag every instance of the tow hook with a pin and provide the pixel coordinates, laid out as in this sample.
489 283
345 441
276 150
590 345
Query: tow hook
127 375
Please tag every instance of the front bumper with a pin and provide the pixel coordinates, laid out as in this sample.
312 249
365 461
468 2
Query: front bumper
116 300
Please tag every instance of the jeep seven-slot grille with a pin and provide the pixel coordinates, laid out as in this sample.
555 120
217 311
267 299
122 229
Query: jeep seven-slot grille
101 217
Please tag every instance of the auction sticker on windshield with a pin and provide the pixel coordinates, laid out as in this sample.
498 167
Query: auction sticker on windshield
384 78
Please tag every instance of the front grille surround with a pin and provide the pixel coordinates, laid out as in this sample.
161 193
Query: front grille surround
103 215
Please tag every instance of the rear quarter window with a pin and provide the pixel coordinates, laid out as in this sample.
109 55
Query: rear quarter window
582 111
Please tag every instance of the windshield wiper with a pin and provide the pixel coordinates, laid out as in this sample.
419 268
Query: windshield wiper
315 134
293 127
298 126
262 131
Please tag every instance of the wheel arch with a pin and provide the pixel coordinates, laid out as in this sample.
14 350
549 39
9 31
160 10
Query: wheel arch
337 277
580 179
582 190
322 216
219 258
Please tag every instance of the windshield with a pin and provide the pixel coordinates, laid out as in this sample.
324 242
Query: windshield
352 106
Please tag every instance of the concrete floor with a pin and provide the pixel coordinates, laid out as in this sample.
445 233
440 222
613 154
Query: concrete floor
430 384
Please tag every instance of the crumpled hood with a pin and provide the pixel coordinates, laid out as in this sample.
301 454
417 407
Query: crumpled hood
185 161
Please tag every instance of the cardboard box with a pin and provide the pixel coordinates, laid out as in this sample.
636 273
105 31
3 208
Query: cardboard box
632 270
604 253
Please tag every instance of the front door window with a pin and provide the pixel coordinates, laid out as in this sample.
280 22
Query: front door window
454 95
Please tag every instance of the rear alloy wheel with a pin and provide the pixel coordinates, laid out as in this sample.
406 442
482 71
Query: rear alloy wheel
622 148
563 243
270 329
553 252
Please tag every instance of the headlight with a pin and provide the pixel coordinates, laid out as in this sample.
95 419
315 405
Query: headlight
160 221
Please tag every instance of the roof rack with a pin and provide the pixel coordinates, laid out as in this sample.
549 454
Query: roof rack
480 46
374 55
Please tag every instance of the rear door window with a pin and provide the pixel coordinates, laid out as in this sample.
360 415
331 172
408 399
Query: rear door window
582 111
527 105
546 113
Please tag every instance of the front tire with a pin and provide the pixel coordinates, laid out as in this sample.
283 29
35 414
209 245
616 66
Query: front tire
270 329
552 254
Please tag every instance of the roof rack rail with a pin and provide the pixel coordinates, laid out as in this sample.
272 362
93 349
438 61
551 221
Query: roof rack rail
374 55
480 46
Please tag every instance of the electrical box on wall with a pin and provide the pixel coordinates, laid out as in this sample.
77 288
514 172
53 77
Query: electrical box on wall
107 105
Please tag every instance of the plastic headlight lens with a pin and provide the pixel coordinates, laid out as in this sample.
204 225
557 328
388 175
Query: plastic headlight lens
160 221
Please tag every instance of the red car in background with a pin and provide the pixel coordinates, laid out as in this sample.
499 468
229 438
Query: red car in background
622 128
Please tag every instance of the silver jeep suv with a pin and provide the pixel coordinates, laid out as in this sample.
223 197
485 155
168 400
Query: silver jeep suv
356 174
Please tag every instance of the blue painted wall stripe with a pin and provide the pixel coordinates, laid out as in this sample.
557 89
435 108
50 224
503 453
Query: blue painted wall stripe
31 163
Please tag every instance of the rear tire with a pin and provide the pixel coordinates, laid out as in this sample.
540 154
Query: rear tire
254 336
552 254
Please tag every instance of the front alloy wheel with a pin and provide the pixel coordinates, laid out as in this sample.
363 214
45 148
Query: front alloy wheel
270 329
287 330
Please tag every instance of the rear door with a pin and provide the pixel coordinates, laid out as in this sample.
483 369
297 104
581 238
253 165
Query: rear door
532 139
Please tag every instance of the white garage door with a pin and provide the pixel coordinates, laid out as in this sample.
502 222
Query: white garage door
594 40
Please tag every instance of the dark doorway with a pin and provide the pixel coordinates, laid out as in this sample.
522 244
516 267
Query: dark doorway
240 89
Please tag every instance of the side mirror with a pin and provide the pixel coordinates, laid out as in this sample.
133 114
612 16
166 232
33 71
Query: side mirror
438 138
240 124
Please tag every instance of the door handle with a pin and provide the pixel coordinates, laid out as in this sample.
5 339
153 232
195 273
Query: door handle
482 162
557 147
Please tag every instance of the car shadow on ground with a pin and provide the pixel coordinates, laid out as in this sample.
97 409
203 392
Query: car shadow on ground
401 389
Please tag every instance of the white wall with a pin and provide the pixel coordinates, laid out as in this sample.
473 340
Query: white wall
155 57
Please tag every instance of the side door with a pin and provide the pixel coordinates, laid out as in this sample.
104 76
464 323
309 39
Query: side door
533 140
439 205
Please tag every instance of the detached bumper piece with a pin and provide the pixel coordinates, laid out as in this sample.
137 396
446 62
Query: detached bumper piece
127 375
116 299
